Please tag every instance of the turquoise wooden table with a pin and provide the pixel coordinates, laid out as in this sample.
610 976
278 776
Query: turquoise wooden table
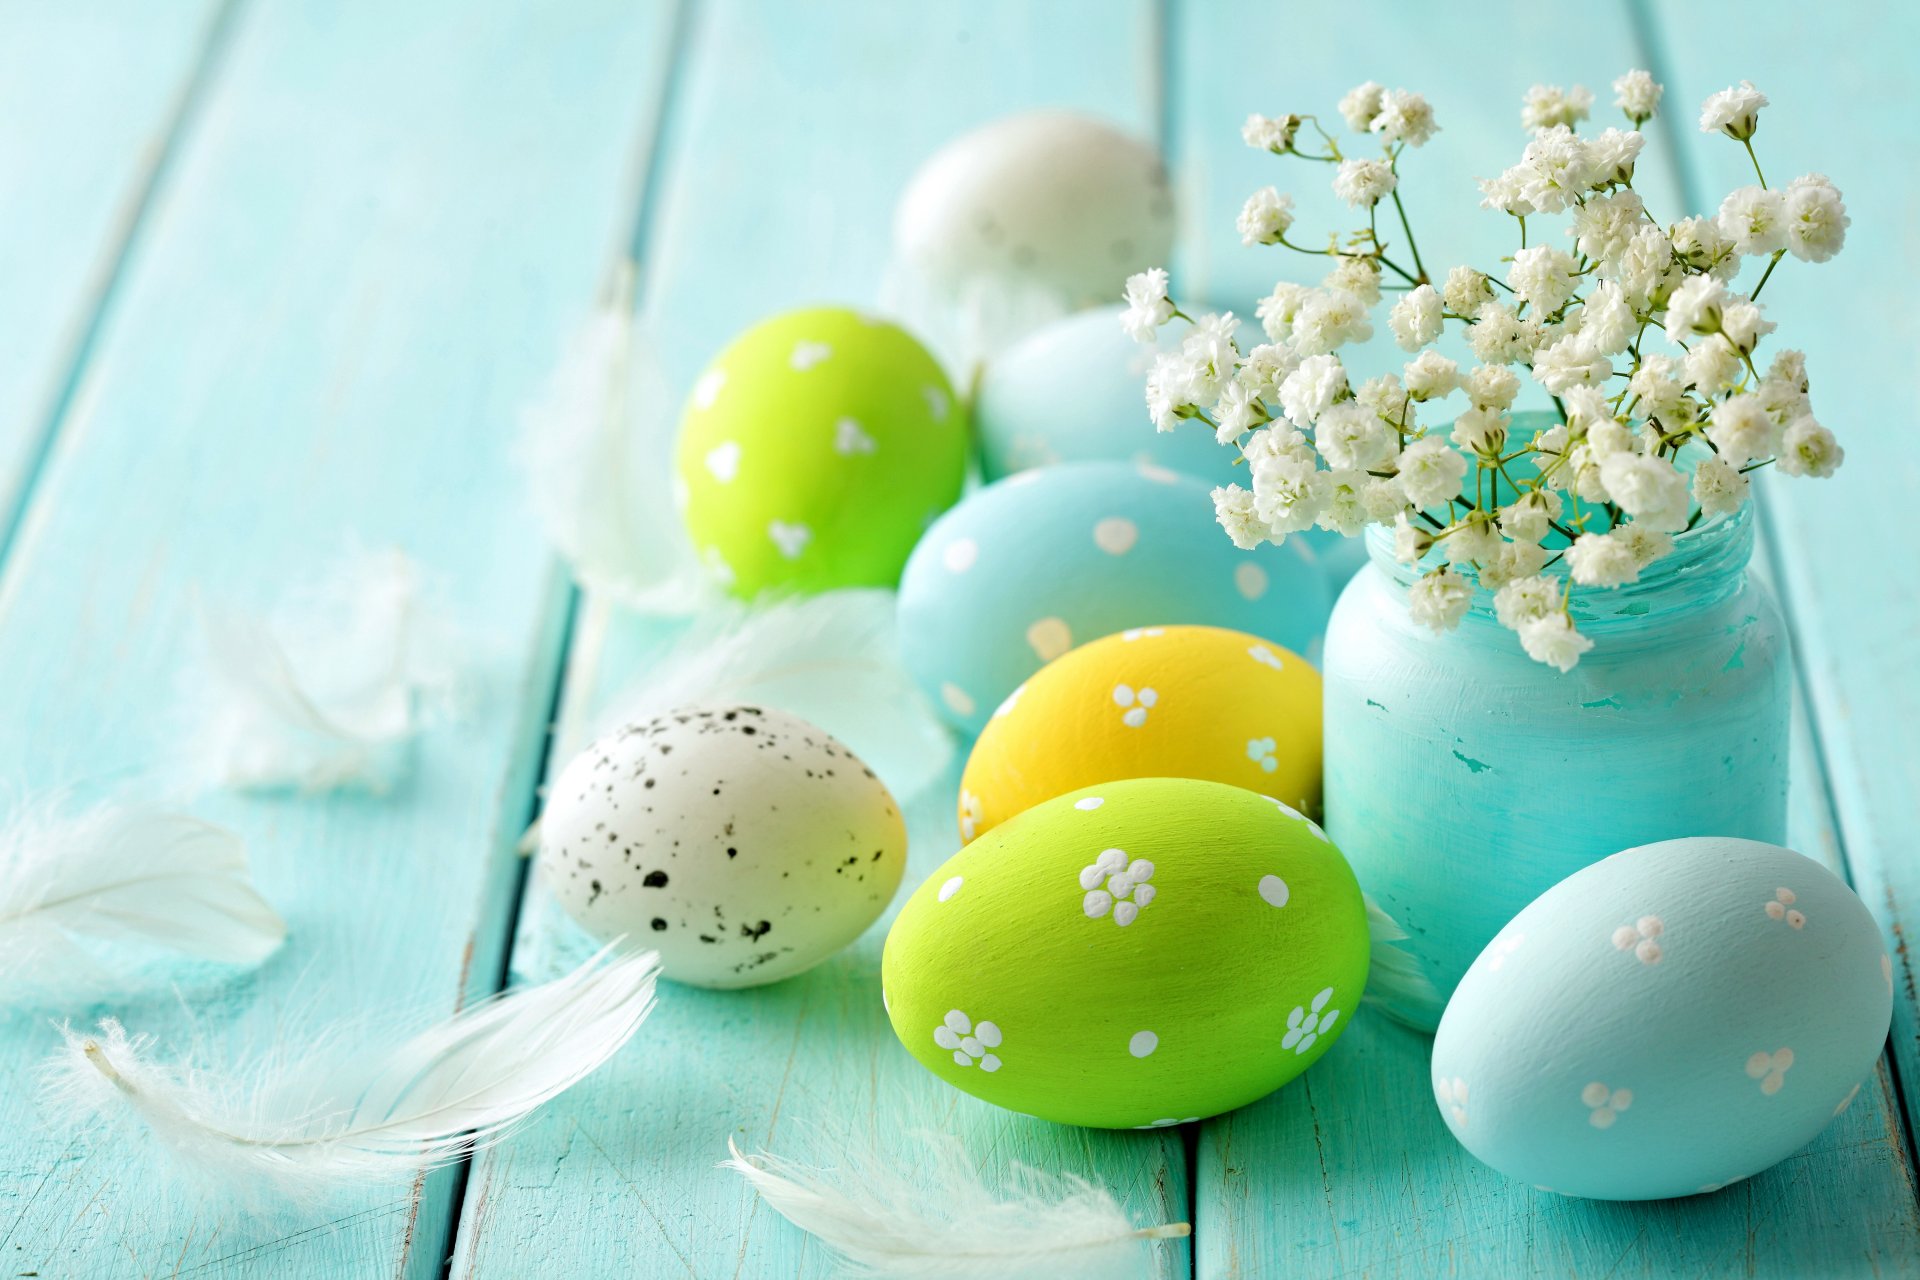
274 274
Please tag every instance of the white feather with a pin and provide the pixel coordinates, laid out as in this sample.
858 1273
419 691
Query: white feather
329 691
292 1130
942 1222
597 449
831 659
118 875
970 320
1395 975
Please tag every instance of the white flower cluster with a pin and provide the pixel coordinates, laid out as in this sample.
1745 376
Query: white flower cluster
1648 444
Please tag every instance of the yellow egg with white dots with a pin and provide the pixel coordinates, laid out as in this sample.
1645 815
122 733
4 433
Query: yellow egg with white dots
1152 702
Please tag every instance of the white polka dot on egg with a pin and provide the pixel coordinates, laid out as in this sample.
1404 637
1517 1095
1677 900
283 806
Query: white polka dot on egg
1143 1043
1275 891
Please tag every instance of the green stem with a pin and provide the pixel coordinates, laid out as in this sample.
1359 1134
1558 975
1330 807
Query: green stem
1768 273
1407 227
1748 144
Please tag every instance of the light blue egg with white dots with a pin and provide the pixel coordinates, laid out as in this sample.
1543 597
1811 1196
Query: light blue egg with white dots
1075 391
1665 1022
1025 569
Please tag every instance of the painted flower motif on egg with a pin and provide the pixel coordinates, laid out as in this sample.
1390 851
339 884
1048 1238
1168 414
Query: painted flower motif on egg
1170 702
742 843
1025 569
1655 1026
814 450
1134 955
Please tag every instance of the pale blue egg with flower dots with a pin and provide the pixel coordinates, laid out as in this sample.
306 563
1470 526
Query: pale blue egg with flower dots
1025 569
1665 1022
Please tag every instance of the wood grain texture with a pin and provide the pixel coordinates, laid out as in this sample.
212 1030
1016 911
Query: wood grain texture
1351 1171
370 244
793 134
1855 612
91 96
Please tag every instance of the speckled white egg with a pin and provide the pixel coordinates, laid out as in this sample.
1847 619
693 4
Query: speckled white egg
742 843
1667 1021
1026 569
1047 197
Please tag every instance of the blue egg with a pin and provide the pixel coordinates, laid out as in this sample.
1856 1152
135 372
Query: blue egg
1075 391
1669 1020
1027 568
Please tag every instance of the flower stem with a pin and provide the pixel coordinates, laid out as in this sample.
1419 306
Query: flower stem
1412 245
1748 144
1768 273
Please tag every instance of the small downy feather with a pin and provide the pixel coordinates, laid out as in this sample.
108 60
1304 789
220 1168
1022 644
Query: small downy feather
120 875
1395 976
319 1117
942 1222
330 690
831 659
597 450
969 321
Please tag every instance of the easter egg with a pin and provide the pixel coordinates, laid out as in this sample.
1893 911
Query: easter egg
1132 955
1152 702
814 450
1073 391
1050 197
1025 569
741 843
1664 1022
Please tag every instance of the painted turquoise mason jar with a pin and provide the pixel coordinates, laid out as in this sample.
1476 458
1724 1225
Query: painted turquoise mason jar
1463 779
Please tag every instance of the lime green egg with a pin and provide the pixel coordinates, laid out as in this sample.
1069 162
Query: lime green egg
1131 955
814 450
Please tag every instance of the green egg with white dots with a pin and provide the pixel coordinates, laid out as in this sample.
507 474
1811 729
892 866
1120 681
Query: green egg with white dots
1132 955
814 451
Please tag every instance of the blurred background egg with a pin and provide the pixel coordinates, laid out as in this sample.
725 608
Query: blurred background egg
1074 391
1025 569
742 843
1152 702
1132 955
813 451
1063 201
1672 1019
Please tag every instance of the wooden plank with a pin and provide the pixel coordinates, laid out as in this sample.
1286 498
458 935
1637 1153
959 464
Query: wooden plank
361 263
1351 1171
1853 635
795 131
91 96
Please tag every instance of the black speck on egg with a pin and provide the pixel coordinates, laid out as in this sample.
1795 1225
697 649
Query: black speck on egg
658 879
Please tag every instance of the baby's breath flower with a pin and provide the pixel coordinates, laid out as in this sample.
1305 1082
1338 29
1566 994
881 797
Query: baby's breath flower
1277 310
1522 600
1637 94
1307 392
1410 541
1385 500
1480 431
1713 365
1431 471
1345 508
1514 560
1264 368
1528 517
1789 366
1754 220
1265 217
1718 487
1236 412
1404 117
1542 277
1168 396
1429 376
1743 322
1809 449
1473 540
1606 321
1359 276
1329 319
1385 397
1657 385
1700 244
1554 170
1491 386
1612 155
1734 112
1147 305
1289 490
1465 290
1570 362
1645 542
1270 133
1415 319
1349 435
1233 508
1605 225
1361 105
1695 308
1499 336
1650 489
1816 218
1552 640
1547 105
1363 183
1600 560
1643 266
1507 193
1439 599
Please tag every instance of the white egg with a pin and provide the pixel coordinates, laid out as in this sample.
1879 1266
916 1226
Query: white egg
743 844
1050 197
1669 1020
